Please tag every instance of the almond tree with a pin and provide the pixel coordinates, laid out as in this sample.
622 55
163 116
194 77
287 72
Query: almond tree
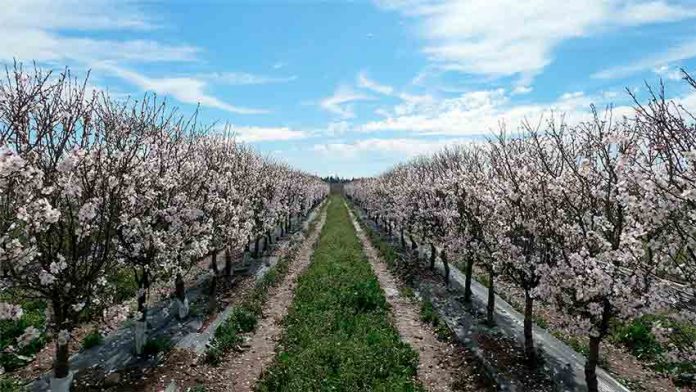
598 276
64 174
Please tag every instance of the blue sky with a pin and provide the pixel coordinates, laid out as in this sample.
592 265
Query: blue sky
353 87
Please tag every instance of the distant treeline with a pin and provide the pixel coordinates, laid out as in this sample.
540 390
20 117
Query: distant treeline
337 180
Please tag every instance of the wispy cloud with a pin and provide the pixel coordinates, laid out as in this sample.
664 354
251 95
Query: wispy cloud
251 134
365 82
183 89
340 102
401 147
656 62
507 37
33 30
479 113
245 78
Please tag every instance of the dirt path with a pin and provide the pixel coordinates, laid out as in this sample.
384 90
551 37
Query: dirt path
438 367
242 371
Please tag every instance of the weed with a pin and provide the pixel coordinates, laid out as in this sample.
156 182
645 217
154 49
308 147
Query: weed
11 384
92 339
10 330
157 345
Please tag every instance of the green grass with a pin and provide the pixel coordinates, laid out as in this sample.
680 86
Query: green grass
337 335
157 345
429 315
9 384
92 339
10 330
638 338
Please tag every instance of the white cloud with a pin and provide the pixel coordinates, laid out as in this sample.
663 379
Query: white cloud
683 51
668 72
184 89
479 113
520 90
365 82
507 37
399 147
32 31
340 102
245 78
35 30
338 127
252 134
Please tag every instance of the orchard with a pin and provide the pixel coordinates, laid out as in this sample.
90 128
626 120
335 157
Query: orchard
114 211
90 185
595 219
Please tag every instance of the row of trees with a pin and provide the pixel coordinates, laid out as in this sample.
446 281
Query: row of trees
598 218
89 185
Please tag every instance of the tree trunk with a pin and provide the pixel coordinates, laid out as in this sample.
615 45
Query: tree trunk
528 323
443 256
403 240
142 296
490 307
61 367
467 279
391 230
257 247
180 293
179 287
228 263
141 324
591 365
216 272
593 357
213 282
433 256
414 245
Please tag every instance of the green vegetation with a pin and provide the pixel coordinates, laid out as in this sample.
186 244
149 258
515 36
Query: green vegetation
337 334
430 316
228 334
122 284
9 384
10 330
638 338
92 339
157 345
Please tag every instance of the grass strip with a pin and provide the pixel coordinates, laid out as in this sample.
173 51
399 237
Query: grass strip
338 335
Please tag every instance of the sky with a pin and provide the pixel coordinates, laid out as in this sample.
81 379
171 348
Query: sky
351 88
